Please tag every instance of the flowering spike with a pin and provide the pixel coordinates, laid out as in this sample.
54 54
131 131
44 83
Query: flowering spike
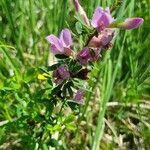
68 69
81 12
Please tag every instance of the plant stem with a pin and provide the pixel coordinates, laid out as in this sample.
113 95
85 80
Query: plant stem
107 88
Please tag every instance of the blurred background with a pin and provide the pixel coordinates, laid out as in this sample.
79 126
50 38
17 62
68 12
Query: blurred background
122 76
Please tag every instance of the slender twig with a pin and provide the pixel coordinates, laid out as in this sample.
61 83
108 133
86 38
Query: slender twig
109 79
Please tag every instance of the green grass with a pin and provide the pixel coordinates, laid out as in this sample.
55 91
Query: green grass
117 106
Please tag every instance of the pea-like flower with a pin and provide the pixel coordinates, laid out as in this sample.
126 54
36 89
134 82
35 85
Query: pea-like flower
101 18
84 56
62 44
79 96
103 39
87 55
61 74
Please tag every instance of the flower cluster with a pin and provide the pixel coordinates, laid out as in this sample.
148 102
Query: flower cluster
74 64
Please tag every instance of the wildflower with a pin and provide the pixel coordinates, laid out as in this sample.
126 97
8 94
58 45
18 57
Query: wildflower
61 74
87 55
81 12
103 40
79 96
84 56
101 18
43 76
62 44
131 23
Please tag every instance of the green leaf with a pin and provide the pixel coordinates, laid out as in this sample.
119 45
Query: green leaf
77 68
50 81
30 75
45 147
54 143
71 127
78 27
57 128
73 105
64 90
69 119
70 91
53 67
61 56
53 129
49 127
56 90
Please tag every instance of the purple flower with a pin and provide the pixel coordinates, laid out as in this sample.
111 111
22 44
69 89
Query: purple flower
87 55
81 12
61 74
84 56
79 96
131 23
101 18
103 39
62 44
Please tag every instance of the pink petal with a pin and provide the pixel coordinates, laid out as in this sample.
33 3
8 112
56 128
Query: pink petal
96 16
106 36
56 45
65 38
107 18
101 18
103 39
94 42
55 50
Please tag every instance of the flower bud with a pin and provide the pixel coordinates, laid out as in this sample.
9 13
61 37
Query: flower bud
131 23
81 12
